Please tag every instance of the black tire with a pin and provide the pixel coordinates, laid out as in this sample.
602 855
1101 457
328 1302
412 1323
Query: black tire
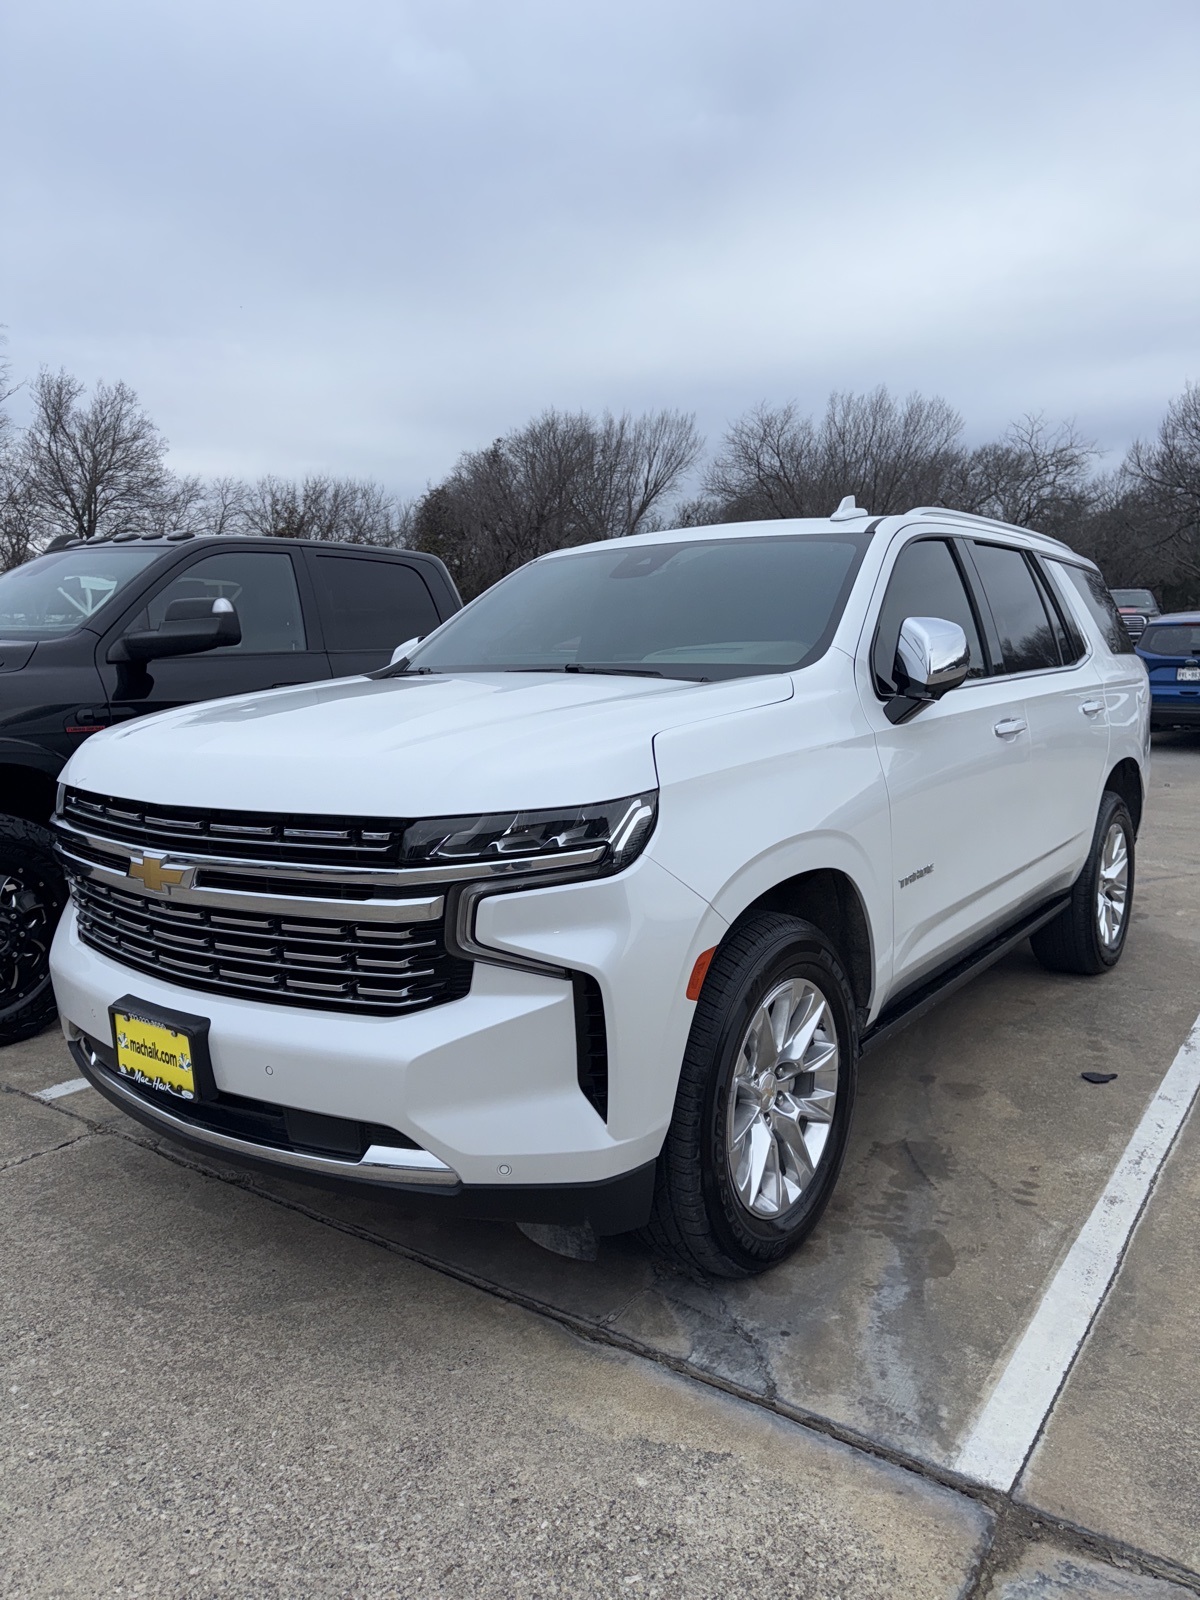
698 1218
33 893
1073 941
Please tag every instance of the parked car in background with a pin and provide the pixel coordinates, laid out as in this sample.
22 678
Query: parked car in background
1170 647
583 910
1137 607
95 634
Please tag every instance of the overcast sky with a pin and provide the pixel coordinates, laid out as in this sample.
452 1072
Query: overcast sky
361 236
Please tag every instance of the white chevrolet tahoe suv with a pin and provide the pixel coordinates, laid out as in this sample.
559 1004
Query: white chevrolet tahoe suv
584 909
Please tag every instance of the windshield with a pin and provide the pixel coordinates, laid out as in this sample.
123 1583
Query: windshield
56 594
711 608
1142 598
1174 639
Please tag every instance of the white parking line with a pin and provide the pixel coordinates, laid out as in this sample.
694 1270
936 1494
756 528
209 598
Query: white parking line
996 1449
57 1090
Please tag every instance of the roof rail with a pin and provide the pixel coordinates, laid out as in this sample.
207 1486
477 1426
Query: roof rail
976 520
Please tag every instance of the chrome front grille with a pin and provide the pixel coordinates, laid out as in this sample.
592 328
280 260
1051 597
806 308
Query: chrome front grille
380 968
287 909
313 841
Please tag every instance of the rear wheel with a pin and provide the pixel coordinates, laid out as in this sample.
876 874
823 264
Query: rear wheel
763 1108
1089 935
32 895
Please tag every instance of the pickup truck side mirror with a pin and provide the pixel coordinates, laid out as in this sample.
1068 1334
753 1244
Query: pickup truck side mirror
189 626
932 657
402 651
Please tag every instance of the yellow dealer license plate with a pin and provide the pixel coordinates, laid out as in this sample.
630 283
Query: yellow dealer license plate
154 1054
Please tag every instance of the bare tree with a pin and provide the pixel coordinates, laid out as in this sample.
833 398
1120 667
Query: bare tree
92 468
16 520
1166 472
349 510
565 478
890 454
1035 475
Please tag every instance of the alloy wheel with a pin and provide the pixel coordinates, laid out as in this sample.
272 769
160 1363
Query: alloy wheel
1112 887
782 1096
25 931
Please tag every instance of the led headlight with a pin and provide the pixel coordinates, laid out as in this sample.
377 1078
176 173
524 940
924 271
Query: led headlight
597 839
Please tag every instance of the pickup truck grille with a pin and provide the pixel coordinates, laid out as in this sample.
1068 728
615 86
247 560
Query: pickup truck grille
361 842
379 968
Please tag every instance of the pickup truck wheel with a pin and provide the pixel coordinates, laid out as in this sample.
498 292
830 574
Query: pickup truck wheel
32 895
1089 935
764 1102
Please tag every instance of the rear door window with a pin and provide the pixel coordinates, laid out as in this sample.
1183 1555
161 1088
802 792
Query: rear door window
368 607
1027 636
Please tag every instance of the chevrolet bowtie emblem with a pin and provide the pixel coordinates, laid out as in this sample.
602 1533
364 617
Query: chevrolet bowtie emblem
150 870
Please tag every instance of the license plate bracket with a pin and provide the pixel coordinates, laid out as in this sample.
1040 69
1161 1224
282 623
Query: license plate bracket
162 1050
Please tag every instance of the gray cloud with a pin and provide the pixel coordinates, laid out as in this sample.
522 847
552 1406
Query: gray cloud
361 238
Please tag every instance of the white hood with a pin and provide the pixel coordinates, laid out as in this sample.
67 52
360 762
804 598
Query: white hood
410 746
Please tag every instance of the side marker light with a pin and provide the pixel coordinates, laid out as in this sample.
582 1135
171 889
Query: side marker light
699 971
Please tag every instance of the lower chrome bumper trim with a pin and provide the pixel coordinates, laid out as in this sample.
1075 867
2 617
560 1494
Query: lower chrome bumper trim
382 1164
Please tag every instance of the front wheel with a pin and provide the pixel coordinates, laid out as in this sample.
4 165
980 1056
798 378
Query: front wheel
32 895
763 1109
1089 935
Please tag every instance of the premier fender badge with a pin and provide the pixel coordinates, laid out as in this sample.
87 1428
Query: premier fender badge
921 872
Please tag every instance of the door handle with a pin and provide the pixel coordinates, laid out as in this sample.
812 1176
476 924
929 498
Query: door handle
1010 727
1092 708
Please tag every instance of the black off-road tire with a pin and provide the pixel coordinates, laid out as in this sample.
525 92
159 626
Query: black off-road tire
697 1219
1072 942
33 893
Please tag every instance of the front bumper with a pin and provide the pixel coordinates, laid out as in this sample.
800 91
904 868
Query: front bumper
612 1205
485 1087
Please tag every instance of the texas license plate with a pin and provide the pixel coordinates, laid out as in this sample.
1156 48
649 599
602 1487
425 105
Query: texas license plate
157 1050
1187 674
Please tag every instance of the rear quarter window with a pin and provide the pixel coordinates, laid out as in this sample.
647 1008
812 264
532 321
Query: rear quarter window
1092 590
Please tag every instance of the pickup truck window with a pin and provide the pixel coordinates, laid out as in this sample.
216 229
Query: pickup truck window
705 608
262 587
53 595
925 582
372 605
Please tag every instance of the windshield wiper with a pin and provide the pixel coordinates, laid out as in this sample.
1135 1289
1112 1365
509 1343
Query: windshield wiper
617 670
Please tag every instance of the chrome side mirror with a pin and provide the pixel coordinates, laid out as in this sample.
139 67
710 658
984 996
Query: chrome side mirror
932 657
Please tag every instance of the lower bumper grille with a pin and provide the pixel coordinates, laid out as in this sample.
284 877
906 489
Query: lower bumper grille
376 968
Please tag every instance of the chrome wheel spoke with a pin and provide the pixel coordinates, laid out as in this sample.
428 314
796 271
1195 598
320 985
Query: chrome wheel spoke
754 1162
791 1137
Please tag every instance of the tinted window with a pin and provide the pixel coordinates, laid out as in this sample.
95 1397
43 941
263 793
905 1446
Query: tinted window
1090 587
1027 640
58 593
1067 637
1142 599
695 608
1173 639
925 582
372 605
262 586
